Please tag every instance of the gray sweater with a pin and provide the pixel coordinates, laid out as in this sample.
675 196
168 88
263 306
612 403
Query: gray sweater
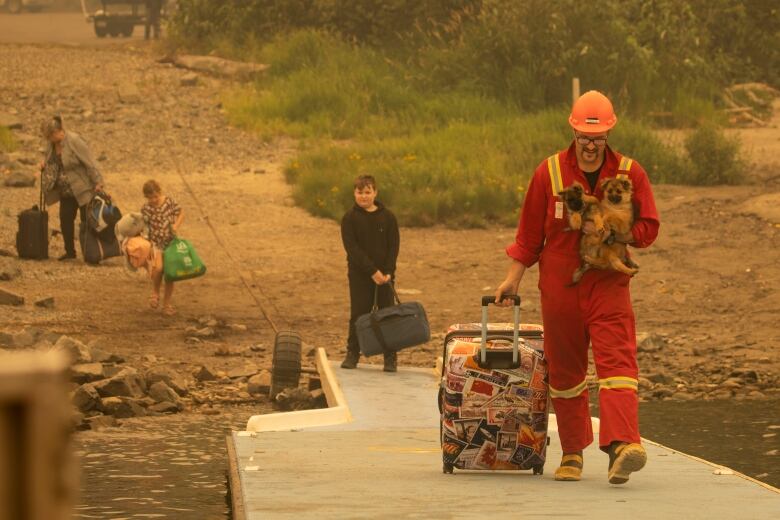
79 170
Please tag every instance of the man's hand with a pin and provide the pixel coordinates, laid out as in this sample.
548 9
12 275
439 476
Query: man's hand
510 284
507 287
379 278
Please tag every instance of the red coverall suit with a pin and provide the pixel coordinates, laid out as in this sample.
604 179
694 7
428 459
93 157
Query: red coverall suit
596 310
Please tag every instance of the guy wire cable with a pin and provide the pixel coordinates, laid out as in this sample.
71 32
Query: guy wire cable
246 284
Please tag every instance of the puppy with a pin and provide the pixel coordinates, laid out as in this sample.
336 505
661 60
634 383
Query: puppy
617 215
581 207
130 225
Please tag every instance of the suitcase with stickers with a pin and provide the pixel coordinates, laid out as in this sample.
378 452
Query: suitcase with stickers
494 398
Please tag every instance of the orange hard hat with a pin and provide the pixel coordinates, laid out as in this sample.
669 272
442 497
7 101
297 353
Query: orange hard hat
592 113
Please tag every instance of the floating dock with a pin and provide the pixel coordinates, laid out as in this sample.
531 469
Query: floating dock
374 453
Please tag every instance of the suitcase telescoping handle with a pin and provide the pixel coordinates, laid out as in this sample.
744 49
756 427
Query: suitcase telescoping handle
487 300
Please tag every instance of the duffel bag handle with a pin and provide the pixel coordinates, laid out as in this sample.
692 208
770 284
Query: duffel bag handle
391 283
486 301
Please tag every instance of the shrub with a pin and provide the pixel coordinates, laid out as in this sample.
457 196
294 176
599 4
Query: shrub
714 158
462 174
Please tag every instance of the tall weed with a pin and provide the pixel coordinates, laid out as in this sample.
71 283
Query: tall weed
7 141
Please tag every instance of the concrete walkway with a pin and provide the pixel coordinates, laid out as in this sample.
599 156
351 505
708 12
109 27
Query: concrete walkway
386 463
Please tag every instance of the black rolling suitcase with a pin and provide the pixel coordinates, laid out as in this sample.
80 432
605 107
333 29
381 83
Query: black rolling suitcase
32 238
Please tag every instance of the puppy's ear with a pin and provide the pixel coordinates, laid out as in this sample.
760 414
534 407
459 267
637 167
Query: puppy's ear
605 183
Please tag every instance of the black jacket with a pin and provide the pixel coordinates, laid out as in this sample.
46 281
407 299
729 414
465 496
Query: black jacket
371 240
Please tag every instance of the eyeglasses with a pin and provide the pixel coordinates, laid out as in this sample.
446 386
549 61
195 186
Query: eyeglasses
598 141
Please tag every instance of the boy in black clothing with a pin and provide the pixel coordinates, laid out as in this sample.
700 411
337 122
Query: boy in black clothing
370 235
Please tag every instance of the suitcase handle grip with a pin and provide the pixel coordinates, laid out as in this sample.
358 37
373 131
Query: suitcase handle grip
488 300
483 354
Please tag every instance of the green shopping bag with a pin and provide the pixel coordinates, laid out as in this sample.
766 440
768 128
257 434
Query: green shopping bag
181 262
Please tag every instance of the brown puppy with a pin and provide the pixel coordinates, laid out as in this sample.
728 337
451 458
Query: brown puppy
617 213
581 207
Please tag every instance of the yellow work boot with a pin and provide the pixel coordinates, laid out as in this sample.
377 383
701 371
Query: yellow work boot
570 469
625 458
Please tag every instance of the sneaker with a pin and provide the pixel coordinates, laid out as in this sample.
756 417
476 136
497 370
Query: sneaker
67 256
351 360
391 362
625 458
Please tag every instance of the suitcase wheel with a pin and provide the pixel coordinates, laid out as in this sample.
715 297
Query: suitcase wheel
538 469
447 468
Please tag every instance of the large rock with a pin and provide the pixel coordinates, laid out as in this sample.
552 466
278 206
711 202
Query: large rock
204 374
9 270
86 398
165 407
650 342
86 372
295 399
122 407
168 376
161 392
10 298
128 93
78 352
127 383
247 370
100 354
24 339
189 80
100 422
259 383
20 180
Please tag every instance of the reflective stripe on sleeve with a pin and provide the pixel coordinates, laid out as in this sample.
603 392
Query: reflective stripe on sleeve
569 392
614 383
554 167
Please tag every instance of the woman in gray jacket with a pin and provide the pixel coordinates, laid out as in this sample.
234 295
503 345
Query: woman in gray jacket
69 176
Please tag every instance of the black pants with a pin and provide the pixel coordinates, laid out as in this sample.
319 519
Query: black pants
152 23
68 209
361 300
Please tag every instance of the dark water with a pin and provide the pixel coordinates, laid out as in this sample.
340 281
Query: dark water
743 435
174 467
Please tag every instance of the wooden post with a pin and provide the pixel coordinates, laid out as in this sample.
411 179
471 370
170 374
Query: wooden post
575 89
37 471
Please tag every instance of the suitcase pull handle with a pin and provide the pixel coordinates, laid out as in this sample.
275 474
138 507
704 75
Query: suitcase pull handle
483 353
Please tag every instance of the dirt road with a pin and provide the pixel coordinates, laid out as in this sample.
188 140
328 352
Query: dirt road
68 28
708 286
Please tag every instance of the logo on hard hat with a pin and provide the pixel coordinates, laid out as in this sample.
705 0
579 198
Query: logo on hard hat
592 120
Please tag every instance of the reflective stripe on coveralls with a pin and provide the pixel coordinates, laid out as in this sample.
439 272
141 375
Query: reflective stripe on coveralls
617 382
554 167
569 392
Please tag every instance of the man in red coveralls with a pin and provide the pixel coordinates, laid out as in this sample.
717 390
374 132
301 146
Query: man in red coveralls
597 310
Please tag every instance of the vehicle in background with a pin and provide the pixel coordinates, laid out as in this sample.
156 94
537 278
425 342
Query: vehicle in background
119 17
16 6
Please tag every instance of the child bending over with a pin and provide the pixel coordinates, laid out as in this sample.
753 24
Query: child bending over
162 216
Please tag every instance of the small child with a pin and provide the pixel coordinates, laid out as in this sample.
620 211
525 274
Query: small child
162 217
370 234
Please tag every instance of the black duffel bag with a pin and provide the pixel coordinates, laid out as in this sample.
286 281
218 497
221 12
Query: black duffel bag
393 328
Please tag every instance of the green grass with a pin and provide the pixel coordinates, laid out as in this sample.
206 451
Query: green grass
7 142
451 157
